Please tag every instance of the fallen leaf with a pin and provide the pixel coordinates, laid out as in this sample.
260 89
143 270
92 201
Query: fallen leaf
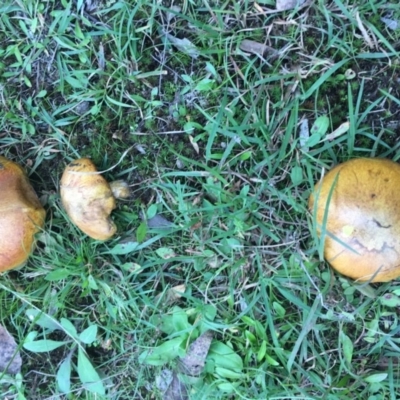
304 134
10 358
342 129
172 295
390 23
371 43
172 11
165 253
250 46
158 221
282 5
195 358
176 291
192 364
176 390
194 144
184 45
164 380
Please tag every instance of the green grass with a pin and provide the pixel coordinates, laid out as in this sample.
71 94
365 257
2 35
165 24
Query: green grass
207 136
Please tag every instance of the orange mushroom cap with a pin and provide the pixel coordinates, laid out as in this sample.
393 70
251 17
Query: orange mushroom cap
360 203
21 215
88 199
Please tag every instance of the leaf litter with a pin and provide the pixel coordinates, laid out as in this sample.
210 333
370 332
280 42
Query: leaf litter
171 382
10 358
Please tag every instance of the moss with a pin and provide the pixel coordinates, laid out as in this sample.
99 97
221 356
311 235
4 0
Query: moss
354 85
321 103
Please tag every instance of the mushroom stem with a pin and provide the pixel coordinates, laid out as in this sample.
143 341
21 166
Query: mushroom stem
120 189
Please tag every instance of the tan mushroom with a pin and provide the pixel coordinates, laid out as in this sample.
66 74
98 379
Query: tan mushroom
356 207
89 199
21 215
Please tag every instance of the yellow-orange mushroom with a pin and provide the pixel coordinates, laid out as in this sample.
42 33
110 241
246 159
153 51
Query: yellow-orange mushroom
21 215
89 199
356 207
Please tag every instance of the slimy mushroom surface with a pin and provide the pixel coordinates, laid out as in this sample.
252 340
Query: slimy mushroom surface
360 204
88 199
21 215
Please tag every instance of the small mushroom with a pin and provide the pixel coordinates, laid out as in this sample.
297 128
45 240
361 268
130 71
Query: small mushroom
356 207
21 215
89 199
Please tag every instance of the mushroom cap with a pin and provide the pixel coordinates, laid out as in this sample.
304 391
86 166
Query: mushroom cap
362 231
88 199
21 215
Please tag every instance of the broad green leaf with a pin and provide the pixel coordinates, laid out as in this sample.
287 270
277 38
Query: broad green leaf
88 375
165 253
151 211
205 85
209 312
89 335
271 360
262 351
228 387
348 347
210 68
31 337
246 155
42 319
58 275
42 93
17 54
234 243
167 325
390 300
228 373
75 83
92 283
69 327
64 376
164 353
279 309
123 248
374 378
313 140
141 232
296 175
320 126
131 267
225 357
189 127
43 346
78 31
250 337
180 320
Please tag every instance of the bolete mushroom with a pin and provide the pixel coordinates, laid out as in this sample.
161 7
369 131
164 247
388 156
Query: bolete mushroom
21 215
89 199
356 207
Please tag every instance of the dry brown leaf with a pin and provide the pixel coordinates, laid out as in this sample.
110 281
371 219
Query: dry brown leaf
184 45
192 364
176 390
195 358
9 355
364 32
172 295
251 46
194 144
176 291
